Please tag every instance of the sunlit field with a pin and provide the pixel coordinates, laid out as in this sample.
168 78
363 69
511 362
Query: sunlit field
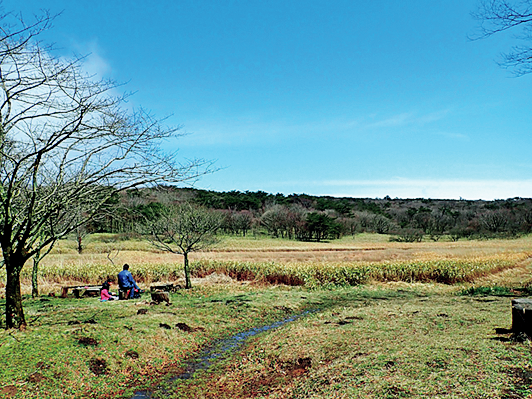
386 320
348 261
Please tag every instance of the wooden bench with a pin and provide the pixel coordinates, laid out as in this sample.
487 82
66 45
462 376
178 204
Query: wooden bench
81 290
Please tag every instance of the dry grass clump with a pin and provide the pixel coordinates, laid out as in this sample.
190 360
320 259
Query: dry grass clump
314 274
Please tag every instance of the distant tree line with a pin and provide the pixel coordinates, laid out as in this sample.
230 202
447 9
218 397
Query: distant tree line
306 217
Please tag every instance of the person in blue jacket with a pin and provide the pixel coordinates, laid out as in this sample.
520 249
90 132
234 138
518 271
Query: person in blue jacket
126 282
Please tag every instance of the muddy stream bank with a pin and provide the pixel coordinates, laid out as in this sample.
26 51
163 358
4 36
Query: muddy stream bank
220 348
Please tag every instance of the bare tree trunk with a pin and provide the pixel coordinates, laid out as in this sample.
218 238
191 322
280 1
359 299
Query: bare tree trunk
80 243
521 319
14 310
35 274
188 284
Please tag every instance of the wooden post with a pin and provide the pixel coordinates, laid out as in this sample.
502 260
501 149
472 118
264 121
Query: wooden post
522 316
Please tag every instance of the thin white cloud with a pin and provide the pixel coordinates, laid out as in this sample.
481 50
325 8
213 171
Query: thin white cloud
393 121
408 118
94 63
254 129
412 188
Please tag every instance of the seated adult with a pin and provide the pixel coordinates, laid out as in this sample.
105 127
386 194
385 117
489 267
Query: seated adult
127 283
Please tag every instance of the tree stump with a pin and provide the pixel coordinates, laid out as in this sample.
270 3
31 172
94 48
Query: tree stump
522 316
160 296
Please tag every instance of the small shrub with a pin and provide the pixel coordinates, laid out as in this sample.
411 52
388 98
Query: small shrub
408 235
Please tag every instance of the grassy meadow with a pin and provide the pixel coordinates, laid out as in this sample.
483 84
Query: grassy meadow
388 320
349 261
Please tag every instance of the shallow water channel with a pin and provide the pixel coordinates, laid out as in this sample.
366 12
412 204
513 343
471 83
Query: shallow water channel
209 355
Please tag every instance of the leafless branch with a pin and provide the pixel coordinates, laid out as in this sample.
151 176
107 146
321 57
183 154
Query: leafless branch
67 143
496 16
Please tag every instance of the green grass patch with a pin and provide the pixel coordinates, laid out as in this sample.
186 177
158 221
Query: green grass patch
378 344
365 341
81 348
488 291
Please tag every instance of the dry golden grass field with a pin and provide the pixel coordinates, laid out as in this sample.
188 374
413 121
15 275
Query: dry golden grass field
104 256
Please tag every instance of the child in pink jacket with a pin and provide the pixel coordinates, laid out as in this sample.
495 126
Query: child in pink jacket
105 295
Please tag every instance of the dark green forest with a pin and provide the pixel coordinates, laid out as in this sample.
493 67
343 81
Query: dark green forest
307 217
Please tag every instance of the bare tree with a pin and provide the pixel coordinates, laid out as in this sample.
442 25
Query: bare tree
350 225
65 141
80 232
183 229
495 221
439 223
274 219
40 253
496 16
296 221
243 221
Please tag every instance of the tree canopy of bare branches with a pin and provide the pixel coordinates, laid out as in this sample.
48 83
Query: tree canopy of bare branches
185 228
496 16
66 142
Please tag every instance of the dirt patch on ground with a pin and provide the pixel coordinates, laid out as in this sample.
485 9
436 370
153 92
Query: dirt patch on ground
36 378
299 366
98 366
8 391
87 341
185 327
132 354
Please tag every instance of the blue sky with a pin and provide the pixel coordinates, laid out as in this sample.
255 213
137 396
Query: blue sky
342 98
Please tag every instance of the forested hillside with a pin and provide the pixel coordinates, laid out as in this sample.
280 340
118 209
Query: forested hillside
306 217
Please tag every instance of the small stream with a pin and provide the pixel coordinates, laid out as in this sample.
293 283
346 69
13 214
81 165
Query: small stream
209 355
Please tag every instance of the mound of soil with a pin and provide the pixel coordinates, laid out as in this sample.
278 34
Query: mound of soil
132 354
299 366
87 341
184 327
36 378
98 366
160 296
